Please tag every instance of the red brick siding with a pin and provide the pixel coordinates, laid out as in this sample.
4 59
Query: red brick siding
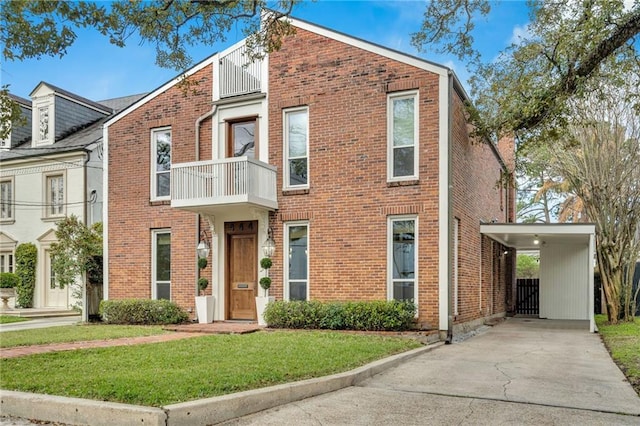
349 200
131 215
477 197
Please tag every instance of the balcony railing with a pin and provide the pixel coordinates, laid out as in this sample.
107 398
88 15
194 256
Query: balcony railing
238 74
205 185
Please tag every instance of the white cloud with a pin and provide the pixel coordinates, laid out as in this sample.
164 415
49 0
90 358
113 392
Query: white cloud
519 34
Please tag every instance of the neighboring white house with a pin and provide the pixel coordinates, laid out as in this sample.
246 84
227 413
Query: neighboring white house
51 167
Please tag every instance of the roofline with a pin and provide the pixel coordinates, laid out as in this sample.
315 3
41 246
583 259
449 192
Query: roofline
371 47
20 100
74 97
160 89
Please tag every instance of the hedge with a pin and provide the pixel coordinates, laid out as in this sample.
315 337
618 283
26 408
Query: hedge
26 260
9 280
141 311
373 316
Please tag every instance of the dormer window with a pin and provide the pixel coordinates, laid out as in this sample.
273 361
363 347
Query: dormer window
43 127
43 123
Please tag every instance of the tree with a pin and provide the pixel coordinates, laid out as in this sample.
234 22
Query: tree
77 252
599 157
171 25
527 89
527 266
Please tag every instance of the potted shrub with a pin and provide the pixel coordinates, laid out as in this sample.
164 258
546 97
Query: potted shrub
204 304
265 283
8 284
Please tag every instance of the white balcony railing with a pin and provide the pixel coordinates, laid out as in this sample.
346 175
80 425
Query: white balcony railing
238 74
203 185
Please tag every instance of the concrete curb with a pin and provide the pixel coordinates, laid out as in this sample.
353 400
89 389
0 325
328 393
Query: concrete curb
78 411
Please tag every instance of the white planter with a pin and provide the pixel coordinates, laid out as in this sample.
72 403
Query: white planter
261 304
5 295
204 308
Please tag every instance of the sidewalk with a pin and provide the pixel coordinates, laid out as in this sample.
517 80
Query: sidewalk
182 331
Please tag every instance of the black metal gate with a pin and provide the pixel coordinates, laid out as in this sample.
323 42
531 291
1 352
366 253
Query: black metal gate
528 296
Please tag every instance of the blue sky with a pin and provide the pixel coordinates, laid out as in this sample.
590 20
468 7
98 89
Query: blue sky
97 70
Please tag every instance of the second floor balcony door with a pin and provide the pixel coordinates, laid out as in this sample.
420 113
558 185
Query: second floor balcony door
243 140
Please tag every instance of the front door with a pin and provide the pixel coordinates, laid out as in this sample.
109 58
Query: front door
54 295
242 269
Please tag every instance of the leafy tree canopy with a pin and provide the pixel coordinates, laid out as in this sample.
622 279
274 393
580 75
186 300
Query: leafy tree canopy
526 90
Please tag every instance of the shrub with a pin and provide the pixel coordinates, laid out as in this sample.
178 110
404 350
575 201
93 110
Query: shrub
202 262
265 283
141 311
8 280
26 258
373 316
203 283
266 263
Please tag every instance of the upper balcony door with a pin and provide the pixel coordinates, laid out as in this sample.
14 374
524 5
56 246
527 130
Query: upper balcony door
242 138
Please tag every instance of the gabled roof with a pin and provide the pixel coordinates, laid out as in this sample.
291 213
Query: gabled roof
73 97
161 89
21 101
77 141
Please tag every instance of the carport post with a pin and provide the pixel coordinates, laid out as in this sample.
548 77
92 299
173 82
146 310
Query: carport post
592 323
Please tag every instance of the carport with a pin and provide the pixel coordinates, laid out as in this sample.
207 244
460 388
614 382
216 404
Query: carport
567 253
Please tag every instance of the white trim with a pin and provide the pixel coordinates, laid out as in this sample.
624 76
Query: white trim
285 149
285 256
47 203
443 201
391 97
590 305
370 47
456 269
154 190
154 248
105 214
38 104
212 59
12 199
416 251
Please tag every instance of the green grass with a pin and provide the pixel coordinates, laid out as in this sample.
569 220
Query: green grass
165 373
74 333
623 342
8 319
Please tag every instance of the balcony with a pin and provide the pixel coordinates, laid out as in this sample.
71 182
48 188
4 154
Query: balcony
209 186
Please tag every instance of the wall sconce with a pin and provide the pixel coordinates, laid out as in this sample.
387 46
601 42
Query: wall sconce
203 246
269 246
536 241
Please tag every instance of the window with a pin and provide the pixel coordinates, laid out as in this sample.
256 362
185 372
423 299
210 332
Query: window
402 135
242 139
43 123
161 163
6 200
6 262
297 268
161 264
54 197
403 255
296 148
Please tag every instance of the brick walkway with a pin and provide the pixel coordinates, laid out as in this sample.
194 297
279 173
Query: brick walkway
182 331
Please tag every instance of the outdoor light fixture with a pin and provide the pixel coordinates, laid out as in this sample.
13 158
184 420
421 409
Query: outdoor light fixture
269 246
203 246
536 241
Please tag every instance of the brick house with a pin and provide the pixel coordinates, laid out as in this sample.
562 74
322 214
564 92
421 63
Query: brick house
355 159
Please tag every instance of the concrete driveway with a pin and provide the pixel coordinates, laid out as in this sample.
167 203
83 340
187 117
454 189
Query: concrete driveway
522 371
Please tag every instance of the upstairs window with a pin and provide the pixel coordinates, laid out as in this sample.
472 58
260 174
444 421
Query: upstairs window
161 164
242 139
402 135
6 200
54 195
296 148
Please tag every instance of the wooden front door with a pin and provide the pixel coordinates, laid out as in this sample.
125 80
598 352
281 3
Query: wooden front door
242 269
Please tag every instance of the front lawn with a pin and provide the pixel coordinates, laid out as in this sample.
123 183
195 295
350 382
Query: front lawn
166 373
75 333
623 342
8 319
